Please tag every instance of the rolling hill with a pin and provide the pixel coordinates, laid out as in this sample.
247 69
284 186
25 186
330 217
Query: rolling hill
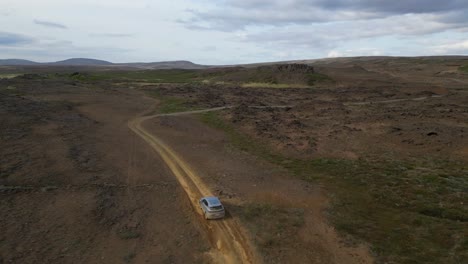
15 62
101 63
82 62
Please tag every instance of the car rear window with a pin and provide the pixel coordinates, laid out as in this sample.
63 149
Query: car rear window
219 207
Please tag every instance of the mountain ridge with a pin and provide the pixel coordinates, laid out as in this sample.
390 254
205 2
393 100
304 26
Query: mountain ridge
15 62
184 64
177 64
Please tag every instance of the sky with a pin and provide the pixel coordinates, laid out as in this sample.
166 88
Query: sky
230 31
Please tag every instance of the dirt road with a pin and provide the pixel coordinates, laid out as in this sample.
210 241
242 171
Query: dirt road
227 236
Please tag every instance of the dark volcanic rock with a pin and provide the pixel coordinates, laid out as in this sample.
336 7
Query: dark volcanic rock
296 68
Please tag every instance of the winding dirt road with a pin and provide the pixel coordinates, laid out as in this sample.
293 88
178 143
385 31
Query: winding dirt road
229 241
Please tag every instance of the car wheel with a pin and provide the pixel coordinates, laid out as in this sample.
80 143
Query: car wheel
206 216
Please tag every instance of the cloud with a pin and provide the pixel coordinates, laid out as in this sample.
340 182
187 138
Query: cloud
329 35
230 31
12 39
232 15
111 35
459 47
334 54
49 24
238 19
454 17
209 48
6 12
354 52
332 28
390 7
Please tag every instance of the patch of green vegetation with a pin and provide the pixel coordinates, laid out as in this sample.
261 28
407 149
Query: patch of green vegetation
313 78
252 211
170 104
128 258
151 76
237 140
464 68
11 90
78 76
128 234
9 75
173 105
273 85
410 211
269 222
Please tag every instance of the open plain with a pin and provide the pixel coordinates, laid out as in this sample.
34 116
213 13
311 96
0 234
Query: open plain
349 160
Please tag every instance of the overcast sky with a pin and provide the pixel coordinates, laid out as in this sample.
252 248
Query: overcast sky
230 31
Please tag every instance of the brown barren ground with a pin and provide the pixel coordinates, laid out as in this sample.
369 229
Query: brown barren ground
240 179
369 167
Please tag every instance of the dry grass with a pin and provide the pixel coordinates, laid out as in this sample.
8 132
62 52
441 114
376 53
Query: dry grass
273 85
271 224
9 75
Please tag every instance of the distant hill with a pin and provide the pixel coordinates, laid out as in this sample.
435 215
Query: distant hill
82 62
166 65
182 64
15 62
101 63
351 60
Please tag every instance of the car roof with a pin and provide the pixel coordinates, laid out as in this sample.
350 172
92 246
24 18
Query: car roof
212 201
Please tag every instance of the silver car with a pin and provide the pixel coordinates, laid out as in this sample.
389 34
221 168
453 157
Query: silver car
212 207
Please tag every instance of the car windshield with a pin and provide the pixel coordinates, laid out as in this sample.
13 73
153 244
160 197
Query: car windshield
219 207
